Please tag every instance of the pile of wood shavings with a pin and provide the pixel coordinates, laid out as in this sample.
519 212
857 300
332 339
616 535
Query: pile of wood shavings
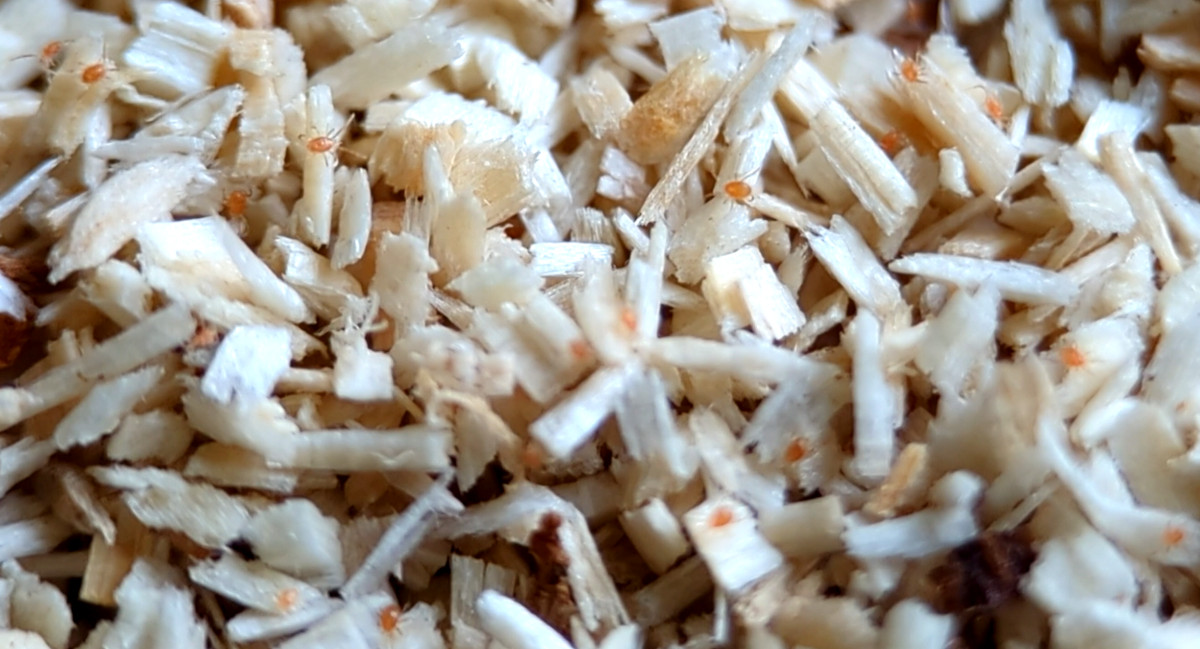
474 323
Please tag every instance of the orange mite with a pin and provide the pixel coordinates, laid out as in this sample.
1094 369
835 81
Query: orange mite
1172 536
286 599
205 336
910 70
50 51
738 190
891 142
389 618
321 144
720 517
327 143
993 108
796 450
580 349
1072 357
629 318
235 203
94 72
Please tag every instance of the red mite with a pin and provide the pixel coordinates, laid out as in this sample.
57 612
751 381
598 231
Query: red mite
796 450
1072 357
993 108
286 599
891 142
235 203
738 190
321 144
93 73
580 350
720 517
50 51
389 618
629 318
327 143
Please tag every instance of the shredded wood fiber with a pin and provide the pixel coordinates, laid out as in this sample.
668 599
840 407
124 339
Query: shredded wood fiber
829 324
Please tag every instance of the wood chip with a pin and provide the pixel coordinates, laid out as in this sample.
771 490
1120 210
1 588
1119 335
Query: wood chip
646 323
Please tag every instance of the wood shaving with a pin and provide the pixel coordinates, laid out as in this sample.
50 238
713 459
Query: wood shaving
839 324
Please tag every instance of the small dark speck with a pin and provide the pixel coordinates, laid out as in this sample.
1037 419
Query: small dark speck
242 548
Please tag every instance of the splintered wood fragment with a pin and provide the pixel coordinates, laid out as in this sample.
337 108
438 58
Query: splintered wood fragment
516 626
24 188
668 187
71 102
354 221
1042 60
670 594
1185 92
231 466
1185 139
670 114
160 332
908 478
874 402
250 14
405 533
800 217
178 50
417 448
109 562
601 100
755 363
22 459
1118 158
656 534
568 425
30 537
1016 281
253 584
568 259
381 68
234 273
74 499
718 315
743 290
321 142
1092 200
164 500
857 158
262 142
252 626
955 120
143 193
101 410
727 538
1176 50
806 529
842 251
761 88
644 284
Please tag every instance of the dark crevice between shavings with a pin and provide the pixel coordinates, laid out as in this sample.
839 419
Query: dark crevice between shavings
552 599
983 574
